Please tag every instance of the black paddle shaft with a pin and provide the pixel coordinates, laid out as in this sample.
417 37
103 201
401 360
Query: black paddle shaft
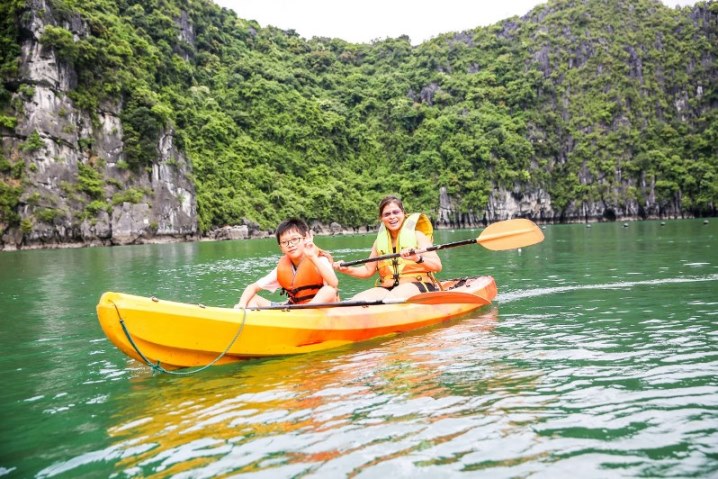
341 304
396 255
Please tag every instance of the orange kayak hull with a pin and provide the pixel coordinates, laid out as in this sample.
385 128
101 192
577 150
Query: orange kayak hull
178 335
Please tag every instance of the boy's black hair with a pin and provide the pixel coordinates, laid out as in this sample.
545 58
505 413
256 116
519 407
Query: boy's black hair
292 224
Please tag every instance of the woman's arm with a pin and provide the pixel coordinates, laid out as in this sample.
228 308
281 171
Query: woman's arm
363 271
429 258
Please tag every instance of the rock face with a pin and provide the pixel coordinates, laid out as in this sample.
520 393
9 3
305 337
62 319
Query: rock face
59 148
536 204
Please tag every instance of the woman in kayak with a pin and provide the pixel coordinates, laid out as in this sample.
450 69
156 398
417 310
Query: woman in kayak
304 272
409 274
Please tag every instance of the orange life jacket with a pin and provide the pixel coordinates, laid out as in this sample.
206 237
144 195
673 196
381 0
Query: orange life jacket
303 282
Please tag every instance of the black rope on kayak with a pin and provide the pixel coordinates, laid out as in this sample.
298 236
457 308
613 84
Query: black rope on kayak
157 368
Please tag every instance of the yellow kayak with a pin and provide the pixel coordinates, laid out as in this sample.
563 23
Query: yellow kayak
178 335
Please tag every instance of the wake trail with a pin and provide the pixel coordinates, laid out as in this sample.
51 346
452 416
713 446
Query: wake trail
530 293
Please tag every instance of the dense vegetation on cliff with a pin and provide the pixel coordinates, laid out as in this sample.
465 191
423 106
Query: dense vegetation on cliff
588 100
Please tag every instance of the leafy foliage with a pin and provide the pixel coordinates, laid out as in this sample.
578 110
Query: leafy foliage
589 100
90 181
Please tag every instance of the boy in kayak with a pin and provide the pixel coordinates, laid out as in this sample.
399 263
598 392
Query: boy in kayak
304 273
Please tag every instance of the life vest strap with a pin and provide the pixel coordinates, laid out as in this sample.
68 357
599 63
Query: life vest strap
292 293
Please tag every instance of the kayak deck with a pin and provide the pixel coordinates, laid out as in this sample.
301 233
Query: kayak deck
178 335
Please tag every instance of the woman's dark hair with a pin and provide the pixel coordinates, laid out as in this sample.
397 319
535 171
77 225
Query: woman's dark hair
292 224
390 199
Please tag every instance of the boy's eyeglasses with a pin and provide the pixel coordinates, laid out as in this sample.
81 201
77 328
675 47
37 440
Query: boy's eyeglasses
392 212
291 241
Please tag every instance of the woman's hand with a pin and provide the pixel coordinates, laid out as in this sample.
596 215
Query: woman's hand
337 265
411 255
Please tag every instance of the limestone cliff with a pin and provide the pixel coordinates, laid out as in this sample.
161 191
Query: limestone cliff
76 187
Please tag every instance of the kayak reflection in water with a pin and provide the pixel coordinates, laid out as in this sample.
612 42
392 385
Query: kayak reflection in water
405 276
304 272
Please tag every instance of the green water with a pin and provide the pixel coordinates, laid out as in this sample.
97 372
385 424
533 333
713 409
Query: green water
599 359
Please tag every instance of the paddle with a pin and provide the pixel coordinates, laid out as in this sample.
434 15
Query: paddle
503 235
432 297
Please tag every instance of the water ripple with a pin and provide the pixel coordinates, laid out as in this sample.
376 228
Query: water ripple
517 295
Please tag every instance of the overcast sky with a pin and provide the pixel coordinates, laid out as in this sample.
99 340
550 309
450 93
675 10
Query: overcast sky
365 20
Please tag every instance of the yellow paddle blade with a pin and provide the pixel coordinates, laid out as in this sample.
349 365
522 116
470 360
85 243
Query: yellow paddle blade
510 234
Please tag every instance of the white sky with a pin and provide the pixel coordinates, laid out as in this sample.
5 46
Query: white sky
365 20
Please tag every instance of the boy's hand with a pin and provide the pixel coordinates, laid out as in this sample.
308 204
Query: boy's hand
310 249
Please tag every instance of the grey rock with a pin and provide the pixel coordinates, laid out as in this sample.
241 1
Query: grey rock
130 222
232 233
